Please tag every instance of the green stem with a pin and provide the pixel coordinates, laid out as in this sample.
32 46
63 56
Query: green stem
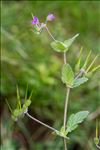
65 114
66 105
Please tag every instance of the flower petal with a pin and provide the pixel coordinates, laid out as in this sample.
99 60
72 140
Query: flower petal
35 20
50 17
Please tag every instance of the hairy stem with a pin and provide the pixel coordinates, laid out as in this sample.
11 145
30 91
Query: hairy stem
65 59
65 114
98 146
66 105
51 128
65 144
50 33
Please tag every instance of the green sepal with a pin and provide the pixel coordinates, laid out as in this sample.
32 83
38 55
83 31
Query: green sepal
27 103
36 30
16 112
14 118
96 141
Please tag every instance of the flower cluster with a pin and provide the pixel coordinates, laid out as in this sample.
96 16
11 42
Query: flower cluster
39 26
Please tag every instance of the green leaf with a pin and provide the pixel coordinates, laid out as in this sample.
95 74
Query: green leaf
67 75
63 46
78 82
76 119
69 42
59 46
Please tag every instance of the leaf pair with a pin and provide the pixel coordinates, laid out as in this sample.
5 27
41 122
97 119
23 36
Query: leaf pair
63 46
68 77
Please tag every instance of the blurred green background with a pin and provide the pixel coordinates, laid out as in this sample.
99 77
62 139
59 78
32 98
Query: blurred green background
27 58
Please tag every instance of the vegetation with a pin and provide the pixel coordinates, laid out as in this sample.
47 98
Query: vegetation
28 59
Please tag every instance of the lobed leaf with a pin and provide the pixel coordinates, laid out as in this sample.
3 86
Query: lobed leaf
76 119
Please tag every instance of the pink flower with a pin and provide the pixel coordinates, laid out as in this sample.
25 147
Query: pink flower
35 20
50 17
